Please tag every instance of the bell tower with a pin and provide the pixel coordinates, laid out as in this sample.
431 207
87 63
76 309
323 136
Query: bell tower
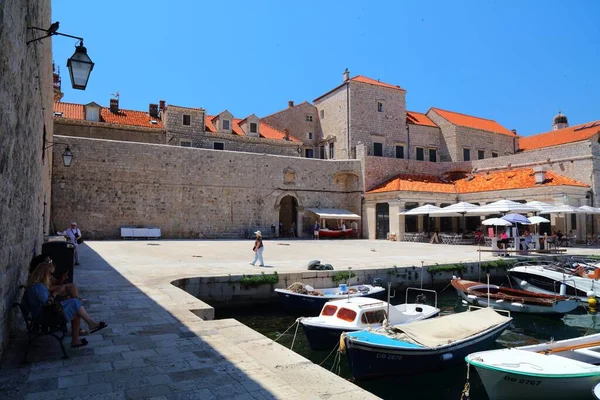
560 121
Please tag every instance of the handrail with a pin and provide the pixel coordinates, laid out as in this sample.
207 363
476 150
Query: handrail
423 290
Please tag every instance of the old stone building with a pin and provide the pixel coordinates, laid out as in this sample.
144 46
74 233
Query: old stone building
26 135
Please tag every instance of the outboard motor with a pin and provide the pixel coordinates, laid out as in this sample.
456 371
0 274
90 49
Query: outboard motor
378 282
421 298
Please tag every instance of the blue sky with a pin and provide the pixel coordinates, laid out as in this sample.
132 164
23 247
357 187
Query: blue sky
517 62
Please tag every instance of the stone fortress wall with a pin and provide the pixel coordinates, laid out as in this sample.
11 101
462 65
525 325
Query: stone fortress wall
26 107
190 192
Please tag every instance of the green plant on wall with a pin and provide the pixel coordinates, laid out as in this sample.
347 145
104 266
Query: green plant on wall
438 269
342 276
257 280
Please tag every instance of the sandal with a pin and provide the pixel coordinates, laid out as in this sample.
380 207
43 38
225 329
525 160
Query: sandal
84 342
101 325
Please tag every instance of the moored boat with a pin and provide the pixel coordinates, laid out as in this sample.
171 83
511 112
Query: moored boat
353 314
513 300
312 300
555 370
423 345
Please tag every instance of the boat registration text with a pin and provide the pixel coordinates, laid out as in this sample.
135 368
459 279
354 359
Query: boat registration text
522 381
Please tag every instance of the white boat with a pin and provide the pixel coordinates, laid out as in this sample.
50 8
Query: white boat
357 313
580 280
567 369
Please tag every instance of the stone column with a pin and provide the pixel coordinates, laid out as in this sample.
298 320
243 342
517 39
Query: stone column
420 219
397 221
437 220
369 225
299 219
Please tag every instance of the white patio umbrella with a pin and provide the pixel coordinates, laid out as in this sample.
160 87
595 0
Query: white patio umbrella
564 209
589 210
454 210
501 207
540 207
426 209
496 222
536 220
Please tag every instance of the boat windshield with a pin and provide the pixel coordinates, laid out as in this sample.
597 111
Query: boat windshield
346 314
329 310
373 317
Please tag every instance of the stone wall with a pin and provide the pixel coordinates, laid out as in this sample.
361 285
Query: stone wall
26 104
191 193
426 137
488 142
448 152
294 119
334 121
65 127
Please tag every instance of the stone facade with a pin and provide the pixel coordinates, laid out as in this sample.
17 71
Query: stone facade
193 193
233 142
26 84
424 137
100 130
301 120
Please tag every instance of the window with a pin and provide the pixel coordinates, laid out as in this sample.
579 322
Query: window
480 154
225 124
92 114
330 151
379 106
310 135
420 154
466 155
322 151
494 155
573 221
329 310
253 127
378 149
373 317
187 119
185 143
346 314
309 118
432 155
308 153
399 151
322 114
218 146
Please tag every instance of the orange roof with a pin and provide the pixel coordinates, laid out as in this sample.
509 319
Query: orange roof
484 182
364 79
561 136
122 117
266 131
417 118
473 122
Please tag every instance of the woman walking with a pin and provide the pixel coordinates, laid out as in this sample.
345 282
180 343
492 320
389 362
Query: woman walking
258 249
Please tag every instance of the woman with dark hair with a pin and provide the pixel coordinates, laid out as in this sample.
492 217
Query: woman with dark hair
38 294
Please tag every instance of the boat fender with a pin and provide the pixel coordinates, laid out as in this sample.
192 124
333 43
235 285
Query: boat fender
343 343
500 301
446 357
472 296
591 294
517 304
592 302
563 289
524 283
418 309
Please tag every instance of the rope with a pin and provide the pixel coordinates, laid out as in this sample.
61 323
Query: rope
291 326
295 333
330 353
465 392
446 287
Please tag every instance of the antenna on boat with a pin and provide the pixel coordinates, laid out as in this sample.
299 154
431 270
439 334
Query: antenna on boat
422 263
488 289
348 282
390 297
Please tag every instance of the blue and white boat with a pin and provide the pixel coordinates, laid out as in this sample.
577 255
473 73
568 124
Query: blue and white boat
423 345
314 299
354 314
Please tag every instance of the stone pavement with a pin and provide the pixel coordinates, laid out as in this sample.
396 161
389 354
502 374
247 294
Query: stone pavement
157 347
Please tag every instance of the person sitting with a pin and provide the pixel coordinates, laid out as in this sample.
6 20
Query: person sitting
38 293
526 240
57 285
478 237
502 241
434 237
552 240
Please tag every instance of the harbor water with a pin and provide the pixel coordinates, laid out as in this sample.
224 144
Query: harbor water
272 321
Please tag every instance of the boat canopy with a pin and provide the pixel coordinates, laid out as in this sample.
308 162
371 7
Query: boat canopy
441 331
334 213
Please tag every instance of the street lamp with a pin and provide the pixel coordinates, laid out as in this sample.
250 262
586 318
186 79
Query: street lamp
80 65
67 157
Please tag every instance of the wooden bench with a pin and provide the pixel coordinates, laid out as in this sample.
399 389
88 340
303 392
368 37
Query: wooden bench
545 251
35 331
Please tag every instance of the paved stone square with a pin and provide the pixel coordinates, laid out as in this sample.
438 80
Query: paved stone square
156 347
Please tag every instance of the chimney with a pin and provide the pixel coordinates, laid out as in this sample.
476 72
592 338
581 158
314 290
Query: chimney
514 131
153 110
291 103
114 105
287 134
346 75
540 175
161 105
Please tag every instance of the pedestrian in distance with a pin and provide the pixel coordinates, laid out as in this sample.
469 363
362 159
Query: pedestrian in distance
258 249
316 228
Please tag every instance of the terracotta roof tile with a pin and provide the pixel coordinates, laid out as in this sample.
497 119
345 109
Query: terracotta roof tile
561 136
473 122
122 117
418 118
266 131
364 79
484 182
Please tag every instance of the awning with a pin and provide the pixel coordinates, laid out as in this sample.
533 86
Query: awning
334 213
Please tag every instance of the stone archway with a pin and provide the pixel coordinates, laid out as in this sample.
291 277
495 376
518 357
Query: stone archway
288 214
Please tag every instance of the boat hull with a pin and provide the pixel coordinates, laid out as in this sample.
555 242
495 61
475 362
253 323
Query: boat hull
504 385
368 361
297 303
